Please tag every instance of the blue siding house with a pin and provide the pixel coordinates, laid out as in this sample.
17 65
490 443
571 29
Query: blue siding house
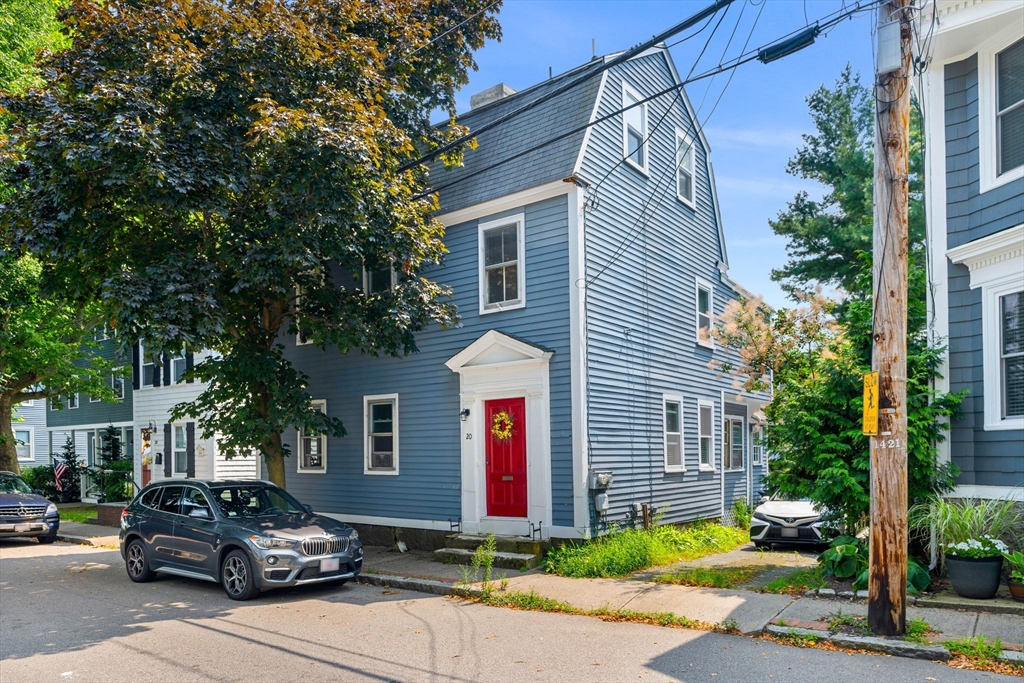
580 386
29 426
973 98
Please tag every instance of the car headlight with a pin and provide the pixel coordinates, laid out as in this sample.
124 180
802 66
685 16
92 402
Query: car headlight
354 535
269 542
51 508
760 515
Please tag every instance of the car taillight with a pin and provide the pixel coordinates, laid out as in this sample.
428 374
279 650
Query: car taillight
124 513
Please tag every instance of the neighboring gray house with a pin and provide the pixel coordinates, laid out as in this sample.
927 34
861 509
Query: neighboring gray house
587 274
30 433
973 99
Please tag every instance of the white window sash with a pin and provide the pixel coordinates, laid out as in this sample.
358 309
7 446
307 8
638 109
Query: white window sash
26 436
678 440
519 220
630 96
685 150
321 444
368 402
704 285
988 114
707 436
366 279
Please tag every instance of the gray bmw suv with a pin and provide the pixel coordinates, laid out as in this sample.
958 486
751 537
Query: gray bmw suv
246 535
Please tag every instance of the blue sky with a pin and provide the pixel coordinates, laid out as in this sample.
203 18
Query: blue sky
756 126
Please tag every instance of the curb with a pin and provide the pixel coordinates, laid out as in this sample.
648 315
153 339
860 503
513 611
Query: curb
897 648
934 603
420 585
83 540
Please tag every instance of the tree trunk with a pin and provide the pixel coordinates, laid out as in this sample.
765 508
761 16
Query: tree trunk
273 456
8 449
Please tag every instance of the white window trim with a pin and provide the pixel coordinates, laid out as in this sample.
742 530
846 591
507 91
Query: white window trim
678 400
710 466
322 404
994 263
31 441
93 399
727 458
699 284
366 279
170 365
987 153
682 141
519 220
78 402
113 375
756 445
172 447
142 368
366 433
627 89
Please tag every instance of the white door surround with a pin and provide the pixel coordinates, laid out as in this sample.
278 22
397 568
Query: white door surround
498 366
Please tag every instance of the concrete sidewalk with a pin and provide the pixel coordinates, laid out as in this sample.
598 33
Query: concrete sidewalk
88 534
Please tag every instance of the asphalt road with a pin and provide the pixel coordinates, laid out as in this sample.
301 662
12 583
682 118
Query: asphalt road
69 613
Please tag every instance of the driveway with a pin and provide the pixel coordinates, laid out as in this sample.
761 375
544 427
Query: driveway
69 613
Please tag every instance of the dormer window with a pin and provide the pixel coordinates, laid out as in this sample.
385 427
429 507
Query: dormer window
1010 108
684 168
634 128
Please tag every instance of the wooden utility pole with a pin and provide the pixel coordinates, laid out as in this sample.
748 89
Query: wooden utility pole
887 580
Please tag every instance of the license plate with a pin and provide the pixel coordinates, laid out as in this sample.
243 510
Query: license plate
22 527
331 564
790 533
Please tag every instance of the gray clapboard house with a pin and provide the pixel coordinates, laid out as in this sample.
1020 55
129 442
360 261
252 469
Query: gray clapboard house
973 99
579 385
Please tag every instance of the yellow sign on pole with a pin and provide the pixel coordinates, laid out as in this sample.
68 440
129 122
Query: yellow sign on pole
870 427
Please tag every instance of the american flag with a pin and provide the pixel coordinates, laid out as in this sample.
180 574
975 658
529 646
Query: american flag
58 474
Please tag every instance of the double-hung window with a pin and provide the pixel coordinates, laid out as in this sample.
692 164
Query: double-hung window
380 426
313 447
1011 353
673 415
117 383
72 401
705 427
148 367
756 445
180 450
1010 108
684 168
502 271
23 443
634 128
732 444
704 312
178 367
378 280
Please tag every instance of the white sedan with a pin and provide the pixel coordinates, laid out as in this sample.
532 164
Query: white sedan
786 521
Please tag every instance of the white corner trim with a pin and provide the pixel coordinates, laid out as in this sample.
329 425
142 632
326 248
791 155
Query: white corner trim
578 355
510 201
366 434
519 220
630 91
299 469
721 423
987 152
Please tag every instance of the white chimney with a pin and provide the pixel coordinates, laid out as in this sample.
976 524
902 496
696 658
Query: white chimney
492 94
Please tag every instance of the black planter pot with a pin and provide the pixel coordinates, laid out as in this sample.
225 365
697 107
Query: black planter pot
976 578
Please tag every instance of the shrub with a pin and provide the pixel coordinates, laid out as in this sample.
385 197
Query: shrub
41 478
953 522
741 513
630 550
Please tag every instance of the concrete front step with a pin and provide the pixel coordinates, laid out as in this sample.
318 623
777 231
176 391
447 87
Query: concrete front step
503 560
505 544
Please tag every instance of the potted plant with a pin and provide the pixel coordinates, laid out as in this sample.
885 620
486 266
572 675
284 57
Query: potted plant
1016 580
975 566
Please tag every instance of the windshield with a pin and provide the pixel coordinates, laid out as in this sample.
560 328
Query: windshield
254 501
9 484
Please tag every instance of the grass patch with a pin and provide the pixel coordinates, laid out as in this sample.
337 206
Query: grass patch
850 623
978 649
793 637
918 631
799 581
712 577
623 552
77 514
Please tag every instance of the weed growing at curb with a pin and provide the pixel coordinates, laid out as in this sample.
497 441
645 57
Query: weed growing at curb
917 631
848 622
480 567
980 648
800 639
798 582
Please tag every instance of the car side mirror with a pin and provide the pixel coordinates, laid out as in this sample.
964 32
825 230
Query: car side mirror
37 492
199 513
308 508
764 499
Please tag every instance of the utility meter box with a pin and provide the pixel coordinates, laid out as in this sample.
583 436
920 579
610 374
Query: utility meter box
601 503
599 480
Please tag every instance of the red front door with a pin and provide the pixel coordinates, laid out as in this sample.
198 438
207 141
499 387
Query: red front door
505 421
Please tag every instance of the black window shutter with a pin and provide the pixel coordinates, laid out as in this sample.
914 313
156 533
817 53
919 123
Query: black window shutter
189 360
190 446
156 372
167 370
168 450
136 367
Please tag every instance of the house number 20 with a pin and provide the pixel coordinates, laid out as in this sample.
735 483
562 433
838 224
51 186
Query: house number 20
888 443
468 436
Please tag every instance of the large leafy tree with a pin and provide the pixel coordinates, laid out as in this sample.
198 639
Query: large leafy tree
826 237
223 171
45 345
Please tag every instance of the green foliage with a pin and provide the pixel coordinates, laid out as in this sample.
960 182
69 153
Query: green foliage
73 474
917 631
712 577
481 565
848 622
918 578
626 551
41 478
1015 563
960 521
980 648
26 27
78 514
220 173
116 480
741 513
796 582
845 558
528 601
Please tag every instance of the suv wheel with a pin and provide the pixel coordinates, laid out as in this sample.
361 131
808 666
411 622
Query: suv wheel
47 539
136 562
237 578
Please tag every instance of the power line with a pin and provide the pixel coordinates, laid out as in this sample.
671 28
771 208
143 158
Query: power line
825 23
582 78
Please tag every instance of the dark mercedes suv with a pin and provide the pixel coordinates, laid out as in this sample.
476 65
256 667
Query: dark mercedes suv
246 535
24 512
